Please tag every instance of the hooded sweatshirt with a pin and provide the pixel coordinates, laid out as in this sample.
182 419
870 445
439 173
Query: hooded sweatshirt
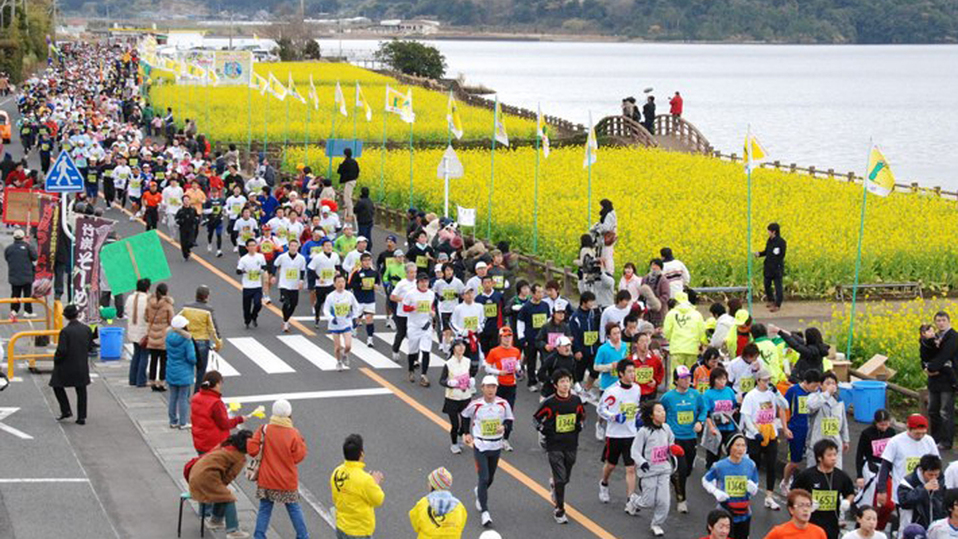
684 328
826 419
438 515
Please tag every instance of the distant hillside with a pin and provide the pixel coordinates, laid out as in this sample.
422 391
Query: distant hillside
801 21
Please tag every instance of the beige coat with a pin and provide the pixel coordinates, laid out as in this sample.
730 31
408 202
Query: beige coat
135 308
158 317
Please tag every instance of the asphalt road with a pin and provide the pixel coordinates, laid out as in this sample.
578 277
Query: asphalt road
402 424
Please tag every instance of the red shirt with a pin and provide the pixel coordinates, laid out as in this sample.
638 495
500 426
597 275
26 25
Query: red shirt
151 199
653 362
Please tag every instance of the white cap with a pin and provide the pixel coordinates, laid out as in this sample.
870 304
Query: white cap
324 208
361 238
563 341
179 322
282 408
561 305
18 234
490 380
481 264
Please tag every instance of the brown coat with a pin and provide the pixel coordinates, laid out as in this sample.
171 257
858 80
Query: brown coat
211 475
159 313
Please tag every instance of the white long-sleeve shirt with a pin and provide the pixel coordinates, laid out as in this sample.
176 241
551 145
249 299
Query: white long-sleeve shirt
615 400
340 308
468 317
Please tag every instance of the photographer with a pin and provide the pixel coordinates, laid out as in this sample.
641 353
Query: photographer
591 276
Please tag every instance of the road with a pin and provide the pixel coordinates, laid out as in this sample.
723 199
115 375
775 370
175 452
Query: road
404 430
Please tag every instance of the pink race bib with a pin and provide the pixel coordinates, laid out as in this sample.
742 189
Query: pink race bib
553 337
509 365
463 381
660 454
723 406
765 417
878 446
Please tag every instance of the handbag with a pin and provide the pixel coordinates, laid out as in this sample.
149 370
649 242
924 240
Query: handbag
252 467
609 238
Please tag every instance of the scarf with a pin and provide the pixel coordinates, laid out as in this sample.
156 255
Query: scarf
281 421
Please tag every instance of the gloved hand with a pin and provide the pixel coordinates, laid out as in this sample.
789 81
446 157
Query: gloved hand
620 418
645 467
846 505
751 487
720 495
759 438
472 383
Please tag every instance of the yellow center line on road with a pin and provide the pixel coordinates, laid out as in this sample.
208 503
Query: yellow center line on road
516 473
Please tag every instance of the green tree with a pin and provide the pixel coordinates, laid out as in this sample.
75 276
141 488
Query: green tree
412 58
311 50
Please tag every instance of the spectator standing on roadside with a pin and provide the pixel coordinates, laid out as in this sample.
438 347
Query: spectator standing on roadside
71 367
365 216
356 492
348 173
136 330
180 362
20 257
438 514
203 329
774 267
159 313
675 108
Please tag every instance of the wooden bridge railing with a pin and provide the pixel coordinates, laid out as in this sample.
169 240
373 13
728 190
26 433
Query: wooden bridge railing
688 134
623 127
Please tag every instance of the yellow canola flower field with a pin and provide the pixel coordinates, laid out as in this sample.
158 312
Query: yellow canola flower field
694 204
236 113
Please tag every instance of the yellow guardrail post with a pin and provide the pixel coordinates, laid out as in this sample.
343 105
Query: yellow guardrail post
11 353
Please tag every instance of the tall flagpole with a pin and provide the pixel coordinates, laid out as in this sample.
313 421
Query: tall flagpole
535 198
748 241
588 223
355 112
206 126
306 135
445 165
286 129
266 126
492 166
858 259
410 160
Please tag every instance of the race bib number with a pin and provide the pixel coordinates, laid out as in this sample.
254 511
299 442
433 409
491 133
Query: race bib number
878 447
422 261
829 426
660 454
45 147
565 423
254 275
643 375
292 274
471 323
911 463
702 386
827 500
236 208
423 306
736 486
489 427
448 294
552 338
498 281
341 309
765 417
266 247
685 418
134 162
630 409
315 250
803 405
590 337
509 365
369 283
491 310
135 184
747 384
327 274
723 406
174 201
538 320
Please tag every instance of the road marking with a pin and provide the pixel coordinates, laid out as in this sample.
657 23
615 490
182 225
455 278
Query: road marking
259 354
44 480
370 355
305 395
404 349
5 413
310 318
516 473
306 348
217 362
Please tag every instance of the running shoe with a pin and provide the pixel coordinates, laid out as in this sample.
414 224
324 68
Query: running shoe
236 248
486 519
390 324
599 431
209 248
369 342
560 517
632 506
604 493
657 531
339 365
412 377
682 507
214 524
783 486
219 254
285 327
507 446
455 449
772 504
423 381
267 300
238 534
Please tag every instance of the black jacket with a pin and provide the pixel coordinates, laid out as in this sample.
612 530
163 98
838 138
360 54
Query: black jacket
552 363
365 211
865 455
943 362
925 506
71 366
348 170
20 257
809 357
774 254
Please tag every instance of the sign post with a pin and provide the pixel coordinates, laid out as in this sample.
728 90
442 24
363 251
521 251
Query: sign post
449 167
64 176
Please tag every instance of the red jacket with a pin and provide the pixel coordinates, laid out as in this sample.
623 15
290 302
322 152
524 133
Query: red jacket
285 449
676 103
211 422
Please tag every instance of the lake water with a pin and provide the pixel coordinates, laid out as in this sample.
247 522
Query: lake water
811 105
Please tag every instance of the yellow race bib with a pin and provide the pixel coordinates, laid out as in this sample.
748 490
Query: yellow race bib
827 500
643 375
498 281
327 274
829 426
747 384
292 274
253 275
491 310
736 486
448 294
489 427
911 463
471 323
341 309
590 337
685 418
538 320
565 423
630 409
423 306
369 283
803 405
422 261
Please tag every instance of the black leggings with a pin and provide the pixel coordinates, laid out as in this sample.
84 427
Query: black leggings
457 427
401 326
424 366
152 217
768 453
740 530
289 299
685 467
157 357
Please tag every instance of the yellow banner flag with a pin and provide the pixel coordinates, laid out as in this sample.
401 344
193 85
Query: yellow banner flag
452 117
362 103
754 152
276 88
313 95
502 137
259 82
879 177
292 89
591 146
341 100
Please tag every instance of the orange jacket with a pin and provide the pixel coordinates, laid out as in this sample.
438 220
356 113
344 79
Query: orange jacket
285 448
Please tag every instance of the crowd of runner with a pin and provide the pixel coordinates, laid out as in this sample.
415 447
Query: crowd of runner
635 359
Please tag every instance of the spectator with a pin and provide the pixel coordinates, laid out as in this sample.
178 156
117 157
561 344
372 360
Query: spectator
774 267
136 331
942 382
365 215
675 272
203 329
180 362
71 364
348 172
356 493
438 514
675 106
210 479
159 313
211 422
20 257
648 111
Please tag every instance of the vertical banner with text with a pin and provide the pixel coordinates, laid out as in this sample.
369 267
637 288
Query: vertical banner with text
47 236
90 235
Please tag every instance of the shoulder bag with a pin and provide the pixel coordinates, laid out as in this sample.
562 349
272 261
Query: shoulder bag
252 467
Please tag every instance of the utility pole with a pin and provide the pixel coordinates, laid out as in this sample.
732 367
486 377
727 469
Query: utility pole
231 31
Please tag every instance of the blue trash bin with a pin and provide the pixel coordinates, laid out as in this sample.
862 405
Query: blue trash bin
111 343
868 396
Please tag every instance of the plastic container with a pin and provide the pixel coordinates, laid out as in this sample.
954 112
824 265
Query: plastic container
111 343
868 396
845 393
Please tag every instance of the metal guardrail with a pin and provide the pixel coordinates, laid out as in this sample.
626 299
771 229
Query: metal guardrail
11 320
11 353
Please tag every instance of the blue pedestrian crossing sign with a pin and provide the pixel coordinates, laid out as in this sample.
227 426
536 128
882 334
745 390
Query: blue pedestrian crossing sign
64 176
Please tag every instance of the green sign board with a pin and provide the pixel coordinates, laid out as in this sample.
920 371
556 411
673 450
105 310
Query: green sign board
126 261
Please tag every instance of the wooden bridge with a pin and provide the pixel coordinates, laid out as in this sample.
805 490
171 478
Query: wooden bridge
671 133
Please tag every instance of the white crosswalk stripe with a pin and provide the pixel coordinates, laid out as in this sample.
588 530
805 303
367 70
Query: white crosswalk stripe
370 355
435 358
259 354
216 362
310 351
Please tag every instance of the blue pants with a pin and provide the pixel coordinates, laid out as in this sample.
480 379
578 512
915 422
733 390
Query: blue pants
179 405
295 516
202 359
227 511
138 363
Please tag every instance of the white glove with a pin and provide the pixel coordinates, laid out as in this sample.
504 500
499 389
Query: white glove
846 505
492 370
751 487
452 383
472 383
720 496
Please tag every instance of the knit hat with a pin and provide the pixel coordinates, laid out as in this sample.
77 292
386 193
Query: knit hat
731 440
179 322
440 479
282 408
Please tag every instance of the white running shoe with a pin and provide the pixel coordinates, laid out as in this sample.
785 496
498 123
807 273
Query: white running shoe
236 248
533 388
390 324
657 531
213 524
396 357
267 300
209 248
285 327
29 315
632 506
577 388
682 507
133 218
339 365
369 342
507 446
560 517
219 254
604 493
238 534
783 486
772 504
486 519
455 449
599 431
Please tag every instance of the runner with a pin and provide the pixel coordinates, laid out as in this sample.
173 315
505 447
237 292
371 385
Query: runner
799 504
505 361
492 305
867 519
323 266
213 211
468 321
341 308
448 288
245 229
832 490
291 266
251 266
868 461
352 258
619 407
235 204
760 407
721 408
584 325
402 288
560 419
685 412
363 281
901 455
947 527
418 306
733 481
797 399
486 418
607 359
395 270
559 359
649 371
460 383
826 417
531 317
920 494
742 370
651 450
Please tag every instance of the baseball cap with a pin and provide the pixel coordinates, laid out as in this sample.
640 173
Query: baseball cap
762 374
398 252
18 234
682 372
565 341
917 421
348 225
391 237
561 305
443 256
490 380
481 264
422 276
361 238
741 317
